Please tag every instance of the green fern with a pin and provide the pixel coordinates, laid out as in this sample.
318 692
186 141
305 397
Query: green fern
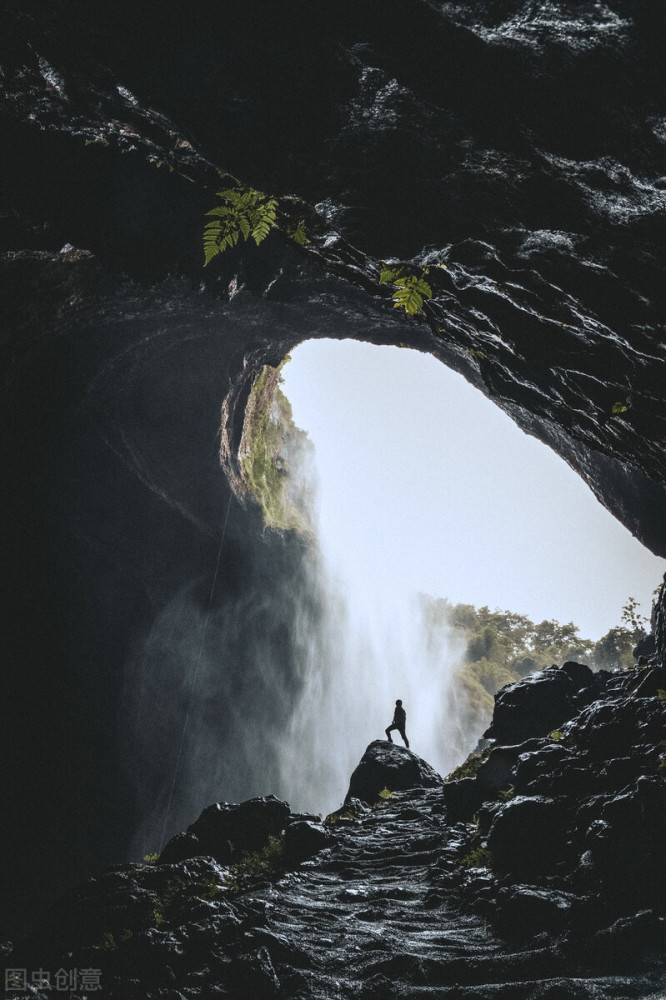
299 235
246 213
478 857
410 289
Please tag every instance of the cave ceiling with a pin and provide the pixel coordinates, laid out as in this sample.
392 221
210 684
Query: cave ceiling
513 151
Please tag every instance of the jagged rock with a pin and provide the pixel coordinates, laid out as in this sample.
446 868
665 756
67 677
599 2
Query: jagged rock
653 681
462 799
626 840
225 831
532 707
385 765
496 772
619 728
528 836
625 942
536 767
645 648
524 911
254 975
581 675
304 839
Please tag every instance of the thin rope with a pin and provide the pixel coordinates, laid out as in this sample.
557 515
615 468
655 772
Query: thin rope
196 674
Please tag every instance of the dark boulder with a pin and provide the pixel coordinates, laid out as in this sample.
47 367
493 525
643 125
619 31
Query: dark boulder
533 707
524 911
538 769
626 941
254 975
529 837
462 799
496 772
650 685
625 839
645 647
581 675
305 838
617 728
225 831
385 765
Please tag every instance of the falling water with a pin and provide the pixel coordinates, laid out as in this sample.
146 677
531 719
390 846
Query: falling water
304 649
373 649
371 645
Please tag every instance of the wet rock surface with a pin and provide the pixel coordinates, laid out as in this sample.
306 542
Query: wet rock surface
572 838
390 767
554 890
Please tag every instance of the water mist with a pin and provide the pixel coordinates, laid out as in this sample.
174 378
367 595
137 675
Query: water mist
371 645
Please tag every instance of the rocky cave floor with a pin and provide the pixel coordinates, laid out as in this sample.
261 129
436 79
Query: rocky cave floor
535 871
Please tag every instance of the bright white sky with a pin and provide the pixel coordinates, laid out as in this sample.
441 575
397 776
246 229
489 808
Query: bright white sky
424 481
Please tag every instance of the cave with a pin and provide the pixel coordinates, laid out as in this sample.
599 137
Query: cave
508 156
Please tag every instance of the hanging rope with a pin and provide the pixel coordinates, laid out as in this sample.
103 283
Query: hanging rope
194 678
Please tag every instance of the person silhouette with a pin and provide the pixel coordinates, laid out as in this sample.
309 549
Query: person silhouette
399 720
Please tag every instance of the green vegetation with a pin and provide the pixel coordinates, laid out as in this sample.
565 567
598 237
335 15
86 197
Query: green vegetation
269 860
476 355
341 815
250 866
501 647
151 859
174 888
245 214
478 857
208 889
272 448
621 406
386 794
410 289
556 735
108 941
469 767
299 235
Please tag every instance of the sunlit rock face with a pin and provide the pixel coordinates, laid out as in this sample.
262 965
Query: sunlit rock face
519 145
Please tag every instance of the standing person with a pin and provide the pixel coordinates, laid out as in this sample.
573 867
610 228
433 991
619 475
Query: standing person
399 720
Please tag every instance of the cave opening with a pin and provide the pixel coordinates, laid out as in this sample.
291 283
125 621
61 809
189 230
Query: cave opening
428 508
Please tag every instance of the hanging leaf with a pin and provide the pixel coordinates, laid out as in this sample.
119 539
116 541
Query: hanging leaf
246 213
411 290
298 235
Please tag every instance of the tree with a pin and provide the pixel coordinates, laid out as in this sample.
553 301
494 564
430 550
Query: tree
633 619
614 650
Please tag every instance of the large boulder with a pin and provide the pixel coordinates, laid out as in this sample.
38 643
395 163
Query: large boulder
304 838
225 831
528 837
534 706
385 765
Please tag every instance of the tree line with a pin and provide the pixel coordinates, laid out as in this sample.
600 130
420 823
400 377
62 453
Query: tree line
501 647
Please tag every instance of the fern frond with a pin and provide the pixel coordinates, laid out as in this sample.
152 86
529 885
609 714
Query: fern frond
388 275
247 213
299 235
423 288
221 211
